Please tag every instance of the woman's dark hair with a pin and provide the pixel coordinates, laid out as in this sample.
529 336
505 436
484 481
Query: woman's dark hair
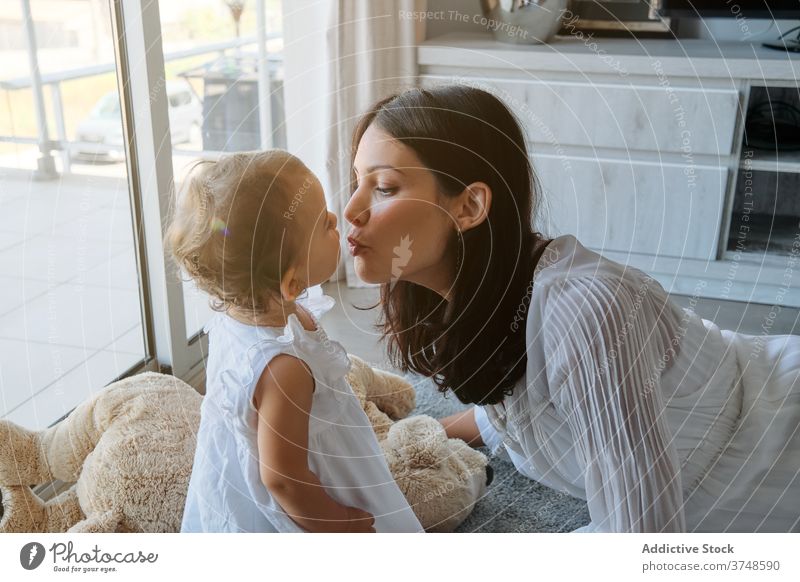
474 344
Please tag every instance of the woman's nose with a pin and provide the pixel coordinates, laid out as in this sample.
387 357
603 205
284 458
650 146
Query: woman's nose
356 212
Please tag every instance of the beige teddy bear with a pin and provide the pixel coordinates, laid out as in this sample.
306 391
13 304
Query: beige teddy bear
129 451
441 478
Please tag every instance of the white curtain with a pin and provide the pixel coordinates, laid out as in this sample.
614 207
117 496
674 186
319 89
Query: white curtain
372 53
340 56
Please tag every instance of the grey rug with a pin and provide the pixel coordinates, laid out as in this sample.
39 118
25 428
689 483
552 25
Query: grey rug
513 502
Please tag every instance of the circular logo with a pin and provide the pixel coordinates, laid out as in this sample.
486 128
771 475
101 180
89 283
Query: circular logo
31 555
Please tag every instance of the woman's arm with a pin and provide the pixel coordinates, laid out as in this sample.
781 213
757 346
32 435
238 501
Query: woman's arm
604 383
462 425
283 399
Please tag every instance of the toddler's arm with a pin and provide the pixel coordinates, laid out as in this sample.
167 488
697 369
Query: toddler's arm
283 398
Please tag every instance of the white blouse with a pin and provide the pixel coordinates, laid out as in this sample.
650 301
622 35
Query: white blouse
660 420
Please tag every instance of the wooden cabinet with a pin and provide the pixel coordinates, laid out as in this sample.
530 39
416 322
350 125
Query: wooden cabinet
620 205
628 117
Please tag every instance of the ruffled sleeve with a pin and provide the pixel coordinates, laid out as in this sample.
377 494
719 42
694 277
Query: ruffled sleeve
602 373
318 305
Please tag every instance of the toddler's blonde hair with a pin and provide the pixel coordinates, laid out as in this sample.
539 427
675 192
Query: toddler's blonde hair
230 230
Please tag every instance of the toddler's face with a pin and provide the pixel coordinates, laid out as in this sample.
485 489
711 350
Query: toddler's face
318 232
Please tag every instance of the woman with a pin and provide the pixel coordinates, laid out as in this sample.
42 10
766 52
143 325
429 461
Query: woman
582 368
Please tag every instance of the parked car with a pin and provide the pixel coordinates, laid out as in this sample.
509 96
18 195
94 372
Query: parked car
99 136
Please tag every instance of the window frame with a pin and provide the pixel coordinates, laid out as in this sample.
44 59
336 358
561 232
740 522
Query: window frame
141 79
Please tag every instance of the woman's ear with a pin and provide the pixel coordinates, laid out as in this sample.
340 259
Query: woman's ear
474 205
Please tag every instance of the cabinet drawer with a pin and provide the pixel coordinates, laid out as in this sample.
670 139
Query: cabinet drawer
633 207
629 117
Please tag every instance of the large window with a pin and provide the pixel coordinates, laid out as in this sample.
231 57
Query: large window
70 310
87 294
225 77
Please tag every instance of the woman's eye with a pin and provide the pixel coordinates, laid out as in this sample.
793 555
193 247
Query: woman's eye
385 191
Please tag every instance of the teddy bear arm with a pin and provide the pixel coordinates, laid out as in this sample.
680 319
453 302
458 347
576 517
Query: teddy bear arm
380 422
63 511
23 510
391 393
21 458
65 446
105 522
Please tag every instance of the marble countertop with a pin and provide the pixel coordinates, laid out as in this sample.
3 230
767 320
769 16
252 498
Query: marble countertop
676 57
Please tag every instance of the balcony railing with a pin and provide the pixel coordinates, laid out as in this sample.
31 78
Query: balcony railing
62 144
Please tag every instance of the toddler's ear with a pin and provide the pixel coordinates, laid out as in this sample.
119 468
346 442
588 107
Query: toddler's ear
290 286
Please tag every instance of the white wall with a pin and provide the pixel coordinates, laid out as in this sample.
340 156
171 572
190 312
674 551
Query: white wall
305 85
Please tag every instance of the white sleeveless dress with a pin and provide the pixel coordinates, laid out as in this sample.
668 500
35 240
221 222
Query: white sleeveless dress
656 417
225 490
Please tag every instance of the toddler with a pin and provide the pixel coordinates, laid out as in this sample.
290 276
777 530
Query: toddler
283 444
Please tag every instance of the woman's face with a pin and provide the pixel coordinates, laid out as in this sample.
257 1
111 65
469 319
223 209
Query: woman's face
399 219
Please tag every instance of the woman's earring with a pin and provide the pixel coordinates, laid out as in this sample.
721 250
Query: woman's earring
459 252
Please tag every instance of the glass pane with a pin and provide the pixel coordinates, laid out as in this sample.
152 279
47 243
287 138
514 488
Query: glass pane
212 70
70 316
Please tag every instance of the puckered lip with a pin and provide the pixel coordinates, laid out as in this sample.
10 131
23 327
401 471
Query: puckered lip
356 242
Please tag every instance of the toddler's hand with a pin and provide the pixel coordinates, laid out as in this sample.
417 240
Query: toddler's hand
360 521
